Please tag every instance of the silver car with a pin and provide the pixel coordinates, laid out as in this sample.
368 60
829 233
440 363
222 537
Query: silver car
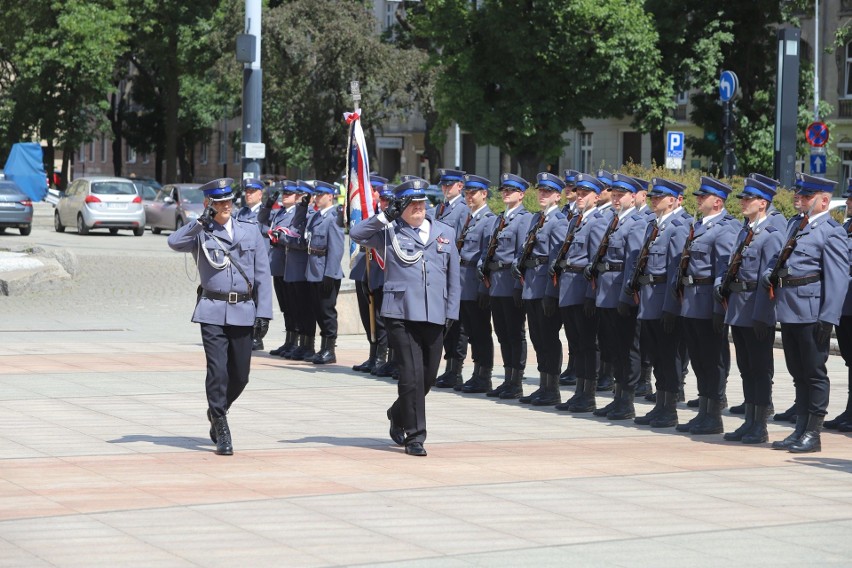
100 203
16 208
174 206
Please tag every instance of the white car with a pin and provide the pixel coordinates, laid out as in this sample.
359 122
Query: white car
111 203
837 204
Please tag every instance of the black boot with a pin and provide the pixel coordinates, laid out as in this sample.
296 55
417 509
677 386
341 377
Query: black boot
212 429
578 391
223 436
652 415
480 382
586 402
309 348
692 403
757 434
367 365
645 386
737 435
667 418
842 418
550 396
529 398
623 409
568 377
738 409
788 415
698 418
387 368
460 382
795 436
381 358
295 354
507 382
326 354
712 423
809 442
516 389
605 378
603 411
287 346
451 376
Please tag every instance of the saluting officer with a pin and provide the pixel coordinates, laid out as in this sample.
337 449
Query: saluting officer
750 313
843 422
235 289
572 293
506 239
325 253
475 305
295 271
530 268
421 300
617 312
658 309
809 290
281 220
453 211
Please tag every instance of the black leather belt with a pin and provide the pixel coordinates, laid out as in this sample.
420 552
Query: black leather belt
535 261
646 279
791 282
692 281
743 285
610 267
317 251
573 268
497 265
468 262
294 247
230 297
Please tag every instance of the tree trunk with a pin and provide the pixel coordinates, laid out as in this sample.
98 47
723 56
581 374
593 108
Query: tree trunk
529 167
158 165
172 103
47 160
658 147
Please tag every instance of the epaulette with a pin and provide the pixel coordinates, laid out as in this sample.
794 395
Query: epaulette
677 222
770 229
558 215
728 218
249 221
833 223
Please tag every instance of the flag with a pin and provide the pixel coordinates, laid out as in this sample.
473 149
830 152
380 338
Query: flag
359 192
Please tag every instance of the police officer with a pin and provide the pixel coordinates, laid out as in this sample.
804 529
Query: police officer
235 289
659 311
809 291
295 270
505 242
530 268
385 365
606 380
280 221
617 312
707 248
572 246
421 300
454 212
843 422
749 311
325 252
568 377
475 309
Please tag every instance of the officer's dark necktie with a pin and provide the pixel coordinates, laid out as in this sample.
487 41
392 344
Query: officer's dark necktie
441 208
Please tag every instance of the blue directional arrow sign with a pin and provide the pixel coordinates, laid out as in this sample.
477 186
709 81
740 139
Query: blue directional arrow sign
818 164
728 84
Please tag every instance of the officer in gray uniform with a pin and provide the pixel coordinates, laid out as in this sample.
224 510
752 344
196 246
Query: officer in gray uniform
421 301
809 290
749 311
843 422
235 289
707 250
507 233
295 271
475 309
568 377
530 268
454 212
645 388
606 381
281 221
325 253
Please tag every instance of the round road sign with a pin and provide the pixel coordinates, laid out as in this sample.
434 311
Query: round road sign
817 134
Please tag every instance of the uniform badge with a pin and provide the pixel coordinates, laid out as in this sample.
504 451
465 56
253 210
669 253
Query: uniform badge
443 240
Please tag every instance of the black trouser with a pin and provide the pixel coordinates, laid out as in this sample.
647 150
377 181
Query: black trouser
455 342
544 334
665 352
361 292
624 340
756 364
228 352
583 332
417 346
325 307
844 342
710 356
304 321
285 302
477 323
509 323
806 362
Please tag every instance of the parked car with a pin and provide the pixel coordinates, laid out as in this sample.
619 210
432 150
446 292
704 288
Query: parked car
16 208
148 187
100 203
837 205
174 206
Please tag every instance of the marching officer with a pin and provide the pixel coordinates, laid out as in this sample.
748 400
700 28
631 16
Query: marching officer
421 301
568 377
325 252
530 268
809 286
475 309
617 312
281 219
749 311
494 270
843 422
454 212
649 272
295 270
573 244
707 249
234 271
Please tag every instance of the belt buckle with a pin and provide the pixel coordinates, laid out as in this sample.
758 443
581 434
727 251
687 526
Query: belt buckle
688 280
232 297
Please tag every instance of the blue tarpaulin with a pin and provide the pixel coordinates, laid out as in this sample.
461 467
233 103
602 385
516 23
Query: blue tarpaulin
26 169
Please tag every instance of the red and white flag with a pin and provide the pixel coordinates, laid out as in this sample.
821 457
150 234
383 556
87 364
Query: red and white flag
359 192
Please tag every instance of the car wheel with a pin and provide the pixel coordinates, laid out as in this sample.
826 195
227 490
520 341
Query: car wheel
139 231
57 224
178 223
82 229
113 231
156 230
26 230
2 230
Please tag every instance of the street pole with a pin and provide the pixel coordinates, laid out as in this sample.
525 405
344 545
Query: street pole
787 106
729 163
253 153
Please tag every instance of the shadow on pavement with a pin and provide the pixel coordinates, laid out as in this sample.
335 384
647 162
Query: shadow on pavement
372 443
826 463
201 444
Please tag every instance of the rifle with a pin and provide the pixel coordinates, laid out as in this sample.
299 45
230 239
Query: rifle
602 248
788 249
734 265
684 262
642 261
529 244
465 229
492 250
555 270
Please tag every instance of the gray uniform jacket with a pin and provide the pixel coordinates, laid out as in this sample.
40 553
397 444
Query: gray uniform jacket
473 247
624 241
324 236
359 270
427 290
535 276
510 241
278 253
246 249
297 247
453 214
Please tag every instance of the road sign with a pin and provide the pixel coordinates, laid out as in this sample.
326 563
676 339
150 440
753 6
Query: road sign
728 84
674 150
818 164
817 134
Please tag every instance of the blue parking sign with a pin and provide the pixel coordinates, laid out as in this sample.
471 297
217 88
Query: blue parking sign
674 145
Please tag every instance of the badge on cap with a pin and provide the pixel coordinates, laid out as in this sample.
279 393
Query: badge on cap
223 182
505 177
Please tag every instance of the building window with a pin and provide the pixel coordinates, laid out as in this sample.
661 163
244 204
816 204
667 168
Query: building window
131 155
146 158
237 156
847 91
846 157
92 151
81 154
103 148
204 152
586 164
